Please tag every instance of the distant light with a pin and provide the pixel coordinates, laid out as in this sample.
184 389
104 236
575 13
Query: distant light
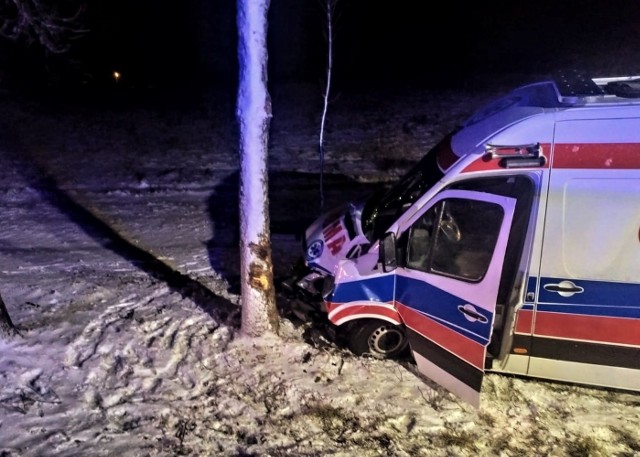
116 76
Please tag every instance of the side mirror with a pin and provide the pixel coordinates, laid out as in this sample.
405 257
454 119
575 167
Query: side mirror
387 252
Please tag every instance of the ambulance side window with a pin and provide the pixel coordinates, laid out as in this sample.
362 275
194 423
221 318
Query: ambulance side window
455 238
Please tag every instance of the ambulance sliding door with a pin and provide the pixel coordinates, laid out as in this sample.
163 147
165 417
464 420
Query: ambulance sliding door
587 320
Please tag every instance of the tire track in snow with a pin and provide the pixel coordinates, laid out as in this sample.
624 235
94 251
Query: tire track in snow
94 334
126 374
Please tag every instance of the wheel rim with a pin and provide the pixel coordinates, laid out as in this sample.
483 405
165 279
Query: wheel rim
386 339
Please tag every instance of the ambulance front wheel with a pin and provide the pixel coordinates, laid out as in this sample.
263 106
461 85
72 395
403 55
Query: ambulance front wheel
377 338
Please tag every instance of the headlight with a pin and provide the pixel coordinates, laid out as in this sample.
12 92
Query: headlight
328 286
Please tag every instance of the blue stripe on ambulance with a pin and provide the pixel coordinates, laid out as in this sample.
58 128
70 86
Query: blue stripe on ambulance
432 301
598 299
613 299
378 289
443 307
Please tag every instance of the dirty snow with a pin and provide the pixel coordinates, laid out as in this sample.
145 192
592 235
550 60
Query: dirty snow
119 264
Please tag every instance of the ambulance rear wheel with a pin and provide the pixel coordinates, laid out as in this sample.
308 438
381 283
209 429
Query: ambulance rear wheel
377 338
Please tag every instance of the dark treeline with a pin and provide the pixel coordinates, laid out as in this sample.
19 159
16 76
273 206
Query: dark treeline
168 43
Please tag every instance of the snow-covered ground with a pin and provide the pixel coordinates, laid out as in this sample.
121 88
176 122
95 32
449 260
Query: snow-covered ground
119 263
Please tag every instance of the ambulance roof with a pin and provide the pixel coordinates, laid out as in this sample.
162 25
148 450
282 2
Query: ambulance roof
561 97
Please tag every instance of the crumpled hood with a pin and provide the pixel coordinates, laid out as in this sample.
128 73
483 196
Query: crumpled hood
334 236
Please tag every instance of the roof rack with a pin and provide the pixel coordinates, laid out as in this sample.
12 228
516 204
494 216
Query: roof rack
574 85
626 87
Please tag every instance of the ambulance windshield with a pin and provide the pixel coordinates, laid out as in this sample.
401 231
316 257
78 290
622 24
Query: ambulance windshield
382 209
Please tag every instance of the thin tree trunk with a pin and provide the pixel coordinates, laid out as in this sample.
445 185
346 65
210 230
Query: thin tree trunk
259 311
330 8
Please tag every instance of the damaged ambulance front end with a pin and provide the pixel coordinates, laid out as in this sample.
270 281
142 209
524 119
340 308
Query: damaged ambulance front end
353 229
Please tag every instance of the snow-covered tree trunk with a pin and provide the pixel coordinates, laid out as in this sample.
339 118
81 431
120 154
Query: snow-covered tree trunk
259 312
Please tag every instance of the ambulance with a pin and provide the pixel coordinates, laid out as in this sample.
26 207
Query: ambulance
513 246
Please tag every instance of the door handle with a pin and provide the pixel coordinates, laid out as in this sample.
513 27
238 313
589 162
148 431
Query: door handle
564 288
471 314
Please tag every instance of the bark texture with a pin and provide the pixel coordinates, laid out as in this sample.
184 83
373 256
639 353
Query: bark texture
259 311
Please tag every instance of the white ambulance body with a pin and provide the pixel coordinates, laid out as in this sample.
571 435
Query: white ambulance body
517 252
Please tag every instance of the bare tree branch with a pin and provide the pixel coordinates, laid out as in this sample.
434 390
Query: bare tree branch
330 7
38 21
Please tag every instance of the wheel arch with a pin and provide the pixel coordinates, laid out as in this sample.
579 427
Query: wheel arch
349 312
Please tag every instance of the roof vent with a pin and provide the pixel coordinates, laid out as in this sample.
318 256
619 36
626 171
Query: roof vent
576 84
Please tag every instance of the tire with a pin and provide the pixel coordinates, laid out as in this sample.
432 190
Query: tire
377 338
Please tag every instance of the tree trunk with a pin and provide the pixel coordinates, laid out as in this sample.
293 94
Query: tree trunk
7 329
259 312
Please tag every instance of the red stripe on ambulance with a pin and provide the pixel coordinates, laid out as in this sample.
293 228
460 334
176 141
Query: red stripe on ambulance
463 347
339 313
523 321
614 330
597 155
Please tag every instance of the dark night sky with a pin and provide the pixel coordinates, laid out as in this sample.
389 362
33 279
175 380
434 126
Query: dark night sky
162 42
